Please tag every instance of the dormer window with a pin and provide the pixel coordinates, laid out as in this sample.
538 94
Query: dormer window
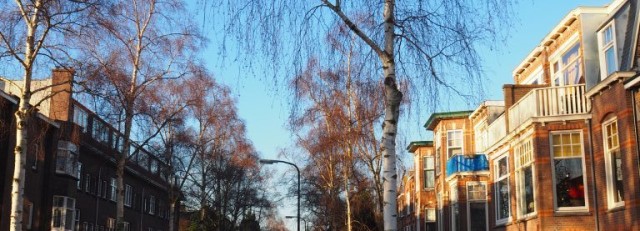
607 48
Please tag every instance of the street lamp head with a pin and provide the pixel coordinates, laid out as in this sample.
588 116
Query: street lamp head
265 161
290 217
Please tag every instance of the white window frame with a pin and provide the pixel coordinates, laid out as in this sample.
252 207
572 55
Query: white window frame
557 57
584 208
80 117
602 48
28 208
609 149
79 176
111 224
471 200
451 137
455 205
437 153
497 179
67 208
536 75
152 205
128 195
113 196
426 168
524 157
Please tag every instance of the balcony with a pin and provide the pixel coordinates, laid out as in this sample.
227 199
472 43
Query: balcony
549 104
496 130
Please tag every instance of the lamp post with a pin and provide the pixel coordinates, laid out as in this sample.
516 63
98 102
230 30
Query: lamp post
305 221
265 161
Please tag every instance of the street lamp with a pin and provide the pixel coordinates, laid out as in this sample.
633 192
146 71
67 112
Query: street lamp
305 221
265 161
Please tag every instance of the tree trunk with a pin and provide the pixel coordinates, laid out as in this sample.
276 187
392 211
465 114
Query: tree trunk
393 97
22 124
172 214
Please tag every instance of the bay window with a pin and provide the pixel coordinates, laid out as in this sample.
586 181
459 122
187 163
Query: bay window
67 158
568 170
613 164
501 179
524 178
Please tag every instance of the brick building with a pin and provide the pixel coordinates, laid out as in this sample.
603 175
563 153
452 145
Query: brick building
70 174
562 146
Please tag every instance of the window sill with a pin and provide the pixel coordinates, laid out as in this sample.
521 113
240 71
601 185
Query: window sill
617 208
527 217
584 212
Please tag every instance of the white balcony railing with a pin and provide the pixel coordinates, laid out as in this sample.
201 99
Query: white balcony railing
549 102
496 130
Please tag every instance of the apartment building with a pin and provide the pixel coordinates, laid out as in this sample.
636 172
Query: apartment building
562 146
70 180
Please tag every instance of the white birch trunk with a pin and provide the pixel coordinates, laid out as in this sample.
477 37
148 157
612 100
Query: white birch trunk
22 123
393 98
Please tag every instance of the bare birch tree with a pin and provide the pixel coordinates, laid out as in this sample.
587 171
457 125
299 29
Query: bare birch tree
29 31
429 42
133 49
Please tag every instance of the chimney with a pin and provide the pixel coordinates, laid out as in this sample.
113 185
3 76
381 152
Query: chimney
61 80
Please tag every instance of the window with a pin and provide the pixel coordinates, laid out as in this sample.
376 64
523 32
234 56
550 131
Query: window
80 117
104 190
154 166
99 131
63 213
501 175
128 195
454 143
524 178
436 144
79 175
111 224
87 182
535 78
440 215
36 155
453 198
430 219
77 219
613 164
568 170
567 69
85 226
607 47
112 192
27 215
67 159
428 172
477 206
152 205
126 226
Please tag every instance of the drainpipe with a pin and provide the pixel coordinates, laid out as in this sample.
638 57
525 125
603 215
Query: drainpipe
141 209
593 176
635 124
98 197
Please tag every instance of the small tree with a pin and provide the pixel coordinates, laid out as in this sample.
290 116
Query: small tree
132 49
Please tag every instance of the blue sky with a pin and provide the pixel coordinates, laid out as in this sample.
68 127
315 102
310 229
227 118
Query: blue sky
265 112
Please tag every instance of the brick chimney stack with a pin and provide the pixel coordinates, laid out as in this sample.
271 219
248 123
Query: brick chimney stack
61 80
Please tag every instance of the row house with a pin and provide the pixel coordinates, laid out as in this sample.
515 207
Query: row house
562 146
70 177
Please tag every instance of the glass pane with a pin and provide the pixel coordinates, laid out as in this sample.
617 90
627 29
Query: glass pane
478 216
610 60
569 182
618 187
68 219
608 35
502 201
503 168
528 205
